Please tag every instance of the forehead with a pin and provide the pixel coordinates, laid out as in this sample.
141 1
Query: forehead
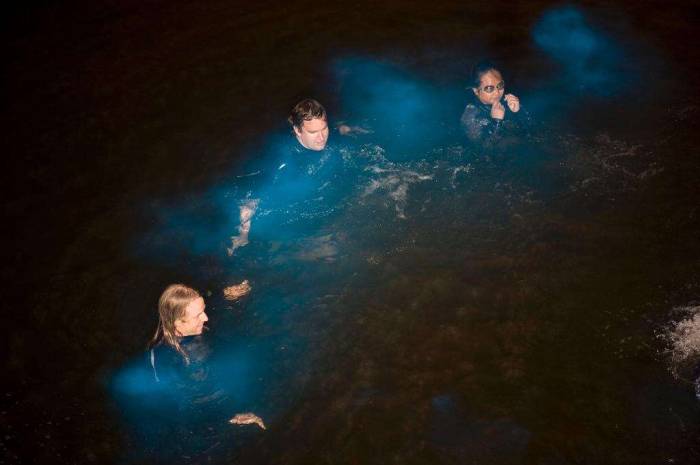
315 124
491 77
195 307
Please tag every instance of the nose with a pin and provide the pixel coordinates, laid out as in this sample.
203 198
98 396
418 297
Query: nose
205 317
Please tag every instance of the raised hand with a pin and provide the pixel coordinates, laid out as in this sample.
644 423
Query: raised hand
498 111
513 102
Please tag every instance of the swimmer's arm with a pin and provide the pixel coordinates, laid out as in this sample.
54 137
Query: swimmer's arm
470 124
353 131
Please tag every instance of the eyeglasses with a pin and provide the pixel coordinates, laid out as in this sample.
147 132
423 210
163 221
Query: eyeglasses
490 89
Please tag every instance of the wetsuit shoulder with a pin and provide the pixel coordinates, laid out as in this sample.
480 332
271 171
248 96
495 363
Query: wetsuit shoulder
474 120
166 363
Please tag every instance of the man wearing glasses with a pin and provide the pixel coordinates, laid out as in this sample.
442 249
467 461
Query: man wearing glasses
485 118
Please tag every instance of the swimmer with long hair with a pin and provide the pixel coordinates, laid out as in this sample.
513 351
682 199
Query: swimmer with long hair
178 355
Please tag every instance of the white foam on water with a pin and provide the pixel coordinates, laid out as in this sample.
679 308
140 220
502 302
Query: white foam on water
608 163
466 169
683 340
394 183
684 335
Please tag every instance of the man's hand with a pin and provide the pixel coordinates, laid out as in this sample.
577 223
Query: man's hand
237 291
513 102
248 210
247 419
498 111
346 130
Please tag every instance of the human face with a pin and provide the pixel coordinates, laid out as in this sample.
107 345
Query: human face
192 323
491 80
313 134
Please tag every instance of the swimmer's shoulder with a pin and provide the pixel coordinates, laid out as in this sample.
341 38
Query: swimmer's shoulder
471 112
288 155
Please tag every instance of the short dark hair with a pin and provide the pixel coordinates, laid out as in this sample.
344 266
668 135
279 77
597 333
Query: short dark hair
306 110
479 69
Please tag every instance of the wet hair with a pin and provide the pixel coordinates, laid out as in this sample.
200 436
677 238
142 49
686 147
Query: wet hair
171 307
306 110
478 71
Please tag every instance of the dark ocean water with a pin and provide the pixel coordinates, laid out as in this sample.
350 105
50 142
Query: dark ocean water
452 305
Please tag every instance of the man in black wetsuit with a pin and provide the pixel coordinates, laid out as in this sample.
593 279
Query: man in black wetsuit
492 115
179 357
305 182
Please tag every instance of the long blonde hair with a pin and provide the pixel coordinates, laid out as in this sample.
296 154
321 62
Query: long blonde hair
171 307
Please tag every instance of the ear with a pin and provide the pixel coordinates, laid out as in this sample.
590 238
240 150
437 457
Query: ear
297 131
178 326
476 91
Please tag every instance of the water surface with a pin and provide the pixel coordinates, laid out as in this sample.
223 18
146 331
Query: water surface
458 307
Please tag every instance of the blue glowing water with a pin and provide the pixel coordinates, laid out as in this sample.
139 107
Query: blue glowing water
420 296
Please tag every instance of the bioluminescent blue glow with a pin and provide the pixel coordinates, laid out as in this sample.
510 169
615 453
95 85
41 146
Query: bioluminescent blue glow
406 112
590 60
135 379
203 223
198 225
305 252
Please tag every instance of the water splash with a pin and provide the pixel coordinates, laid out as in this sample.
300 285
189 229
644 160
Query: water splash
395 183
683 342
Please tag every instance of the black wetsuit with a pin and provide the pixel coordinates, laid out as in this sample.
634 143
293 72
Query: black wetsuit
480 127
191 384
195 408
302 190
312 182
